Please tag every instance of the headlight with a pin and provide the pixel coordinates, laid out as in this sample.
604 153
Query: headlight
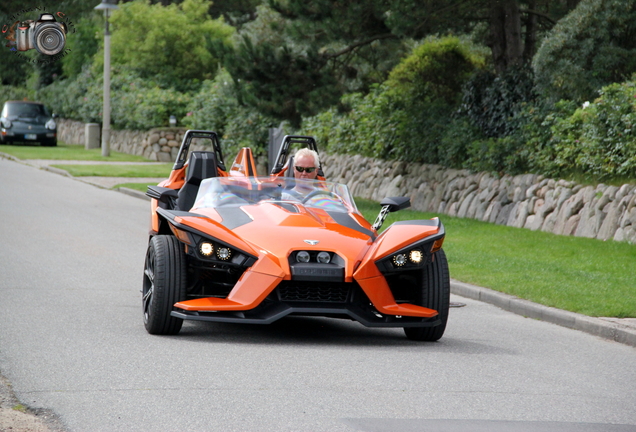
51 124
302 256
6 123
206 248
323 257
399 260
416 256
223 253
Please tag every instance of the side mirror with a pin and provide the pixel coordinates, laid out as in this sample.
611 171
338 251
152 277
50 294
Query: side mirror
164 195
390 204
396 203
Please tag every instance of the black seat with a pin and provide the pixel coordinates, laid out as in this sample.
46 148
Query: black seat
202 165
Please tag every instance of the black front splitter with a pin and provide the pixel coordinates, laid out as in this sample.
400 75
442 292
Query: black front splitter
276 311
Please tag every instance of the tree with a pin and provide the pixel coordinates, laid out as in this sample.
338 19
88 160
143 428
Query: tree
174 42
344 40
593 46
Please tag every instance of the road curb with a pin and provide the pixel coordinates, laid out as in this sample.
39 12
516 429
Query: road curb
133 192
56 171
591 325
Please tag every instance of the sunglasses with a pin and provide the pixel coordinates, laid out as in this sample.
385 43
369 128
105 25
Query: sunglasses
307 170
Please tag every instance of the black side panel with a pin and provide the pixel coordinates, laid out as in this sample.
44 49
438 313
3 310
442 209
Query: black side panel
345 220
233 217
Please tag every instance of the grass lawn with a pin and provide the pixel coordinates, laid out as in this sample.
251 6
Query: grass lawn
142 187
587 276
103 170
66 152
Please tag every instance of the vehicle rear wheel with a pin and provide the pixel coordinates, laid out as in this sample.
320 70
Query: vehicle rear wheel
164 284
434 293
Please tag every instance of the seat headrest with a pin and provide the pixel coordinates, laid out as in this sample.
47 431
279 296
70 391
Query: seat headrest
202 165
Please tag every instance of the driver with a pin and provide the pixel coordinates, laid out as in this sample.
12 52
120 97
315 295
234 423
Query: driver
306 165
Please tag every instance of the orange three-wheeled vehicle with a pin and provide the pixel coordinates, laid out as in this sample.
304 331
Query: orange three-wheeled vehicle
228 245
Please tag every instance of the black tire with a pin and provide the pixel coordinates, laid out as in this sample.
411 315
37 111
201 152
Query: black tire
164 284
434 294
52 143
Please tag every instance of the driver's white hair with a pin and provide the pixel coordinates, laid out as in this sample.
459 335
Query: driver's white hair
308 152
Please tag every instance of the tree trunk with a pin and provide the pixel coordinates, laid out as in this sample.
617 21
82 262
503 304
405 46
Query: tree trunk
530 45
505 34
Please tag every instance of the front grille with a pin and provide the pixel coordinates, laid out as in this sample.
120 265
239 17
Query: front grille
298 291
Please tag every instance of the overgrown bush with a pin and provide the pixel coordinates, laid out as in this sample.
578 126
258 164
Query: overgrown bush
599 138
9 92
136 103
493 102
77 98
217 107
408 116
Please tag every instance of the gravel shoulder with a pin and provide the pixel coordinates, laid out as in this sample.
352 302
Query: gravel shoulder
15 417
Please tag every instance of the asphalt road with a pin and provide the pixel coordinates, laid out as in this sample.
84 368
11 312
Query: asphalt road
72 340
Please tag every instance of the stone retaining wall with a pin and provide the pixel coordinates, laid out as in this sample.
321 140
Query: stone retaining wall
525 201
160 144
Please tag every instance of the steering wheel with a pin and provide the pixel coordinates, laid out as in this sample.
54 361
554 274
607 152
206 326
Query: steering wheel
319 192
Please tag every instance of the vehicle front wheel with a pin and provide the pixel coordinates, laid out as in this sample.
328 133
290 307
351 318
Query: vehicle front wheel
434 293
164 284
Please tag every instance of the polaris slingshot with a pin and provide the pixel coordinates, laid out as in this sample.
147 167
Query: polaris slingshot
227 245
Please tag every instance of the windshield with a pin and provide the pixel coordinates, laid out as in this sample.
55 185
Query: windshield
24 109
238 191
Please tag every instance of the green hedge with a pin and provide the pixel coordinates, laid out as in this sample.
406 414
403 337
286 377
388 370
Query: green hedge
217 107
599 138
407 117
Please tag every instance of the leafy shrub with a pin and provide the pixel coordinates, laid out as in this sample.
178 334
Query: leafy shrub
15 93
493 102
593 46
77 98
437 69
408 116
459 138
599 138
136 103
216 107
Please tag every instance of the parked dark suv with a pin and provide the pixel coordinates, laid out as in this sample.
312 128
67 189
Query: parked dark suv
22 121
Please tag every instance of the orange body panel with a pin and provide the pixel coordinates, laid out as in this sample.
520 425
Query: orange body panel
380 295
271 222
244 164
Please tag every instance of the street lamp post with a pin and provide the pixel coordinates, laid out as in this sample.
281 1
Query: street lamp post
107 6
